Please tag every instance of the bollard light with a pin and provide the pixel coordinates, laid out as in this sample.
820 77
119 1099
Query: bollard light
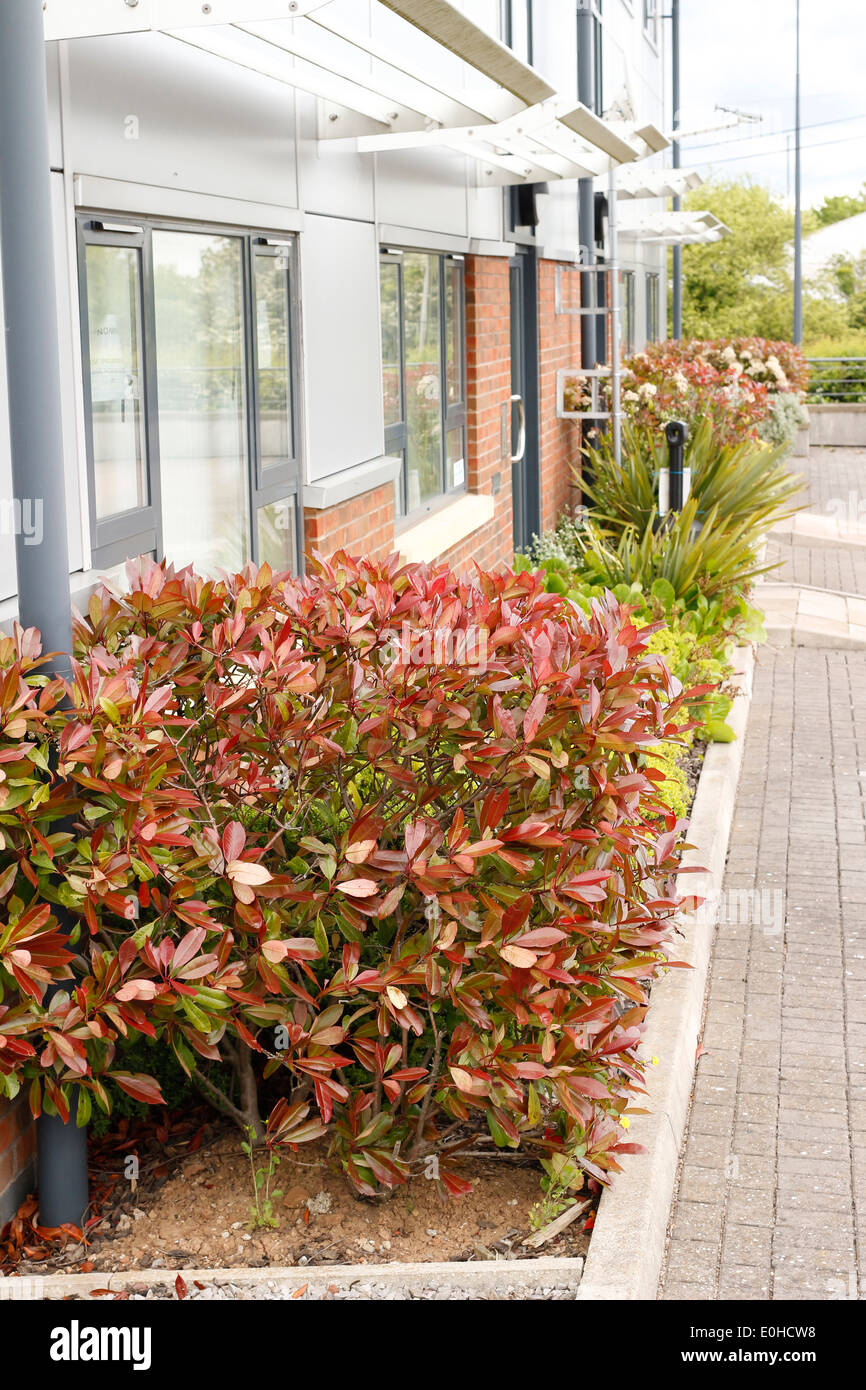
675 480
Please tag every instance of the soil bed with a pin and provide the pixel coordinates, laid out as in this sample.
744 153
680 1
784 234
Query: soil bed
198 1214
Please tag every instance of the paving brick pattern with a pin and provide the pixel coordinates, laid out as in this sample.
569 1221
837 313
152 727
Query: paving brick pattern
835 486
771 1199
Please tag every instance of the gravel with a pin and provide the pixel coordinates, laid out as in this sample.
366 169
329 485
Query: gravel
275 1292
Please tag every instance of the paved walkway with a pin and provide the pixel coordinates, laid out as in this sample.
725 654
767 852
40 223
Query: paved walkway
771 1201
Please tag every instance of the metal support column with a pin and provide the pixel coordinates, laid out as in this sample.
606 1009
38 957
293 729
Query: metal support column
615 363
585 188
798 210
677 325
35 425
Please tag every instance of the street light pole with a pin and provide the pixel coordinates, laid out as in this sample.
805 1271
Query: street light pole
798 214
36 437
675 159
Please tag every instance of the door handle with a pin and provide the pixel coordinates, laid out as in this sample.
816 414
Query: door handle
517 400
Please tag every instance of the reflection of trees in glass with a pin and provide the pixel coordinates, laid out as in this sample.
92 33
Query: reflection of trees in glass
199 313
421 330
390 311
272 331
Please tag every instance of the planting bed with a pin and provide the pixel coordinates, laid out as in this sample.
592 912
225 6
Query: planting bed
199 1214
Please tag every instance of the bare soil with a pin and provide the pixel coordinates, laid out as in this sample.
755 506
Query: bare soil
200 1216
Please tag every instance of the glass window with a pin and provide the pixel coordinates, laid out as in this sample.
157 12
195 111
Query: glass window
423 373
278 536
116 402
652 307
203 440
423 378
273 356
392 390
189 344
518 28
628 310
454 320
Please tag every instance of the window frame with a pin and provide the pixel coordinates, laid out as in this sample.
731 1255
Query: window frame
628 300
114 539
451 416
653 306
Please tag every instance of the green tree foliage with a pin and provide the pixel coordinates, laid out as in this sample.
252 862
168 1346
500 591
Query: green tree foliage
742 284
840 206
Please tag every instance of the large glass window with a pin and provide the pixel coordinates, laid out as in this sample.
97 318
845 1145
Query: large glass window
201 391
115 342
189 375
423 374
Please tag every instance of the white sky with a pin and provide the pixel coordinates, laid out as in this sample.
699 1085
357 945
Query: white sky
740 53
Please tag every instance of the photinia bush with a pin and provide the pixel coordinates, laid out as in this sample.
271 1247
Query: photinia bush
730 383
380 838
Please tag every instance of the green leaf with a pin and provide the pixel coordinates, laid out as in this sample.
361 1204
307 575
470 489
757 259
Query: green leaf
663 590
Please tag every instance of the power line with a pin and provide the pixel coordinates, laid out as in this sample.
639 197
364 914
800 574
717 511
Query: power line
764 154
768 134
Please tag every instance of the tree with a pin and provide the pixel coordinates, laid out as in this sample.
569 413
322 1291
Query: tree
742 284
840 206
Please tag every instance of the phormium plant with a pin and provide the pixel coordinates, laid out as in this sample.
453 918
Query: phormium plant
381 836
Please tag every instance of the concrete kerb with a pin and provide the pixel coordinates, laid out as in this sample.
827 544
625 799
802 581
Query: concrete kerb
627 1247
477 1278
628 1242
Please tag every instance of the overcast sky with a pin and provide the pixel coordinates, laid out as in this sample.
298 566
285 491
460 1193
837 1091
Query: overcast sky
740 53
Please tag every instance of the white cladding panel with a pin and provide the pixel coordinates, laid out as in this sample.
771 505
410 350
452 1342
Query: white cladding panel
150 110
332 181
423 188
342 357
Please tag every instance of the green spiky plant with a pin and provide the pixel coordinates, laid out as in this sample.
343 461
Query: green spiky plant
744 484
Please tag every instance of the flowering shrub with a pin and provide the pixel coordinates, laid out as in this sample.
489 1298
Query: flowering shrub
788 414
407 896
731 383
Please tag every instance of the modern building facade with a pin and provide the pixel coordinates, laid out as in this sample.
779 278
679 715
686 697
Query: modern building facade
274 341
318 265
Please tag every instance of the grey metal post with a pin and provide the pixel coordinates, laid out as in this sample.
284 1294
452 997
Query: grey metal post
615 363
586 94
675 160
798 211
33 374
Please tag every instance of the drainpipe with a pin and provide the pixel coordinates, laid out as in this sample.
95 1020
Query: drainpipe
798 211
35 428
675 160
585 187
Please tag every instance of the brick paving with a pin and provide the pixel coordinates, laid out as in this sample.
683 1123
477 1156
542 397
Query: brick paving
835 486
771 1199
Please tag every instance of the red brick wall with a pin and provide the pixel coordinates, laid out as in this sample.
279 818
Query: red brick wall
488 388
363 526
17 1151
558 346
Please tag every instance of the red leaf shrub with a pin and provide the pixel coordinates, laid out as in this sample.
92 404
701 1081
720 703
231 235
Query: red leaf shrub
380 835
